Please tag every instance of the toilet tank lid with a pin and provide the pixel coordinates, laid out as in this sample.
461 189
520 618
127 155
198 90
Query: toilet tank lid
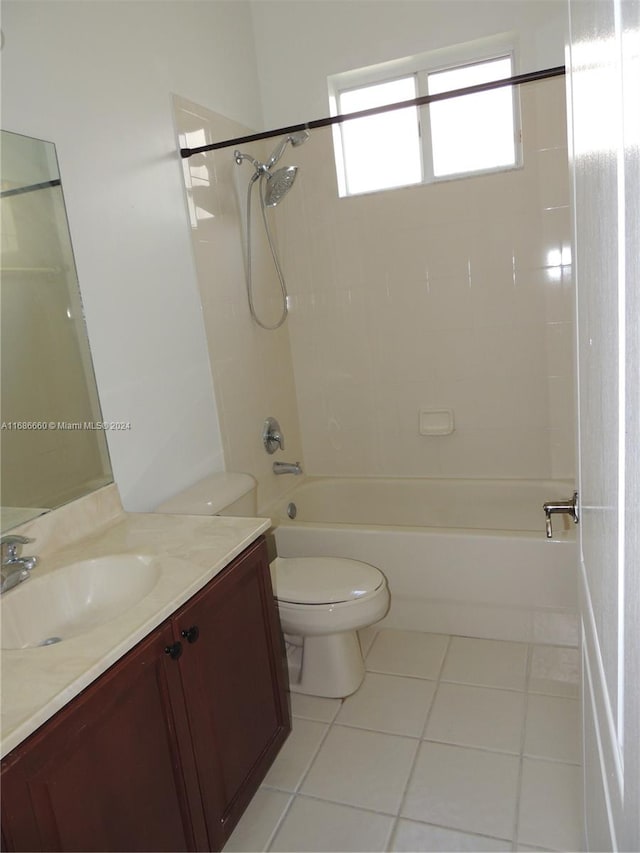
210 495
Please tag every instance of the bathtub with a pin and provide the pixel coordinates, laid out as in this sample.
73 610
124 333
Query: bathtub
467 557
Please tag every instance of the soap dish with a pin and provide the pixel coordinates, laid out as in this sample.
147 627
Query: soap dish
436 421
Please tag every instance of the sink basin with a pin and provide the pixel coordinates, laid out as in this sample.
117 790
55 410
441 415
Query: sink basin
74 599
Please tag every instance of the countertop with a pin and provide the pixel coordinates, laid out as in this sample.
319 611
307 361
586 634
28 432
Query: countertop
38 682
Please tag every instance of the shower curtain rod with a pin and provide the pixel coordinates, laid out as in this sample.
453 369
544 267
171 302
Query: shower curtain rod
529 77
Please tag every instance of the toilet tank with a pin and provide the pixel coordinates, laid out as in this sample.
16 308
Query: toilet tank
223 493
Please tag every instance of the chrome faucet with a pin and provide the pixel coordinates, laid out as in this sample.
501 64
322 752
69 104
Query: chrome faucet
15 569
272 436
287 468
570 507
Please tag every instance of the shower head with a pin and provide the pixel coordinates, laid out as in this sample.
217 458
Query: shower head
272 188
297 138
278 184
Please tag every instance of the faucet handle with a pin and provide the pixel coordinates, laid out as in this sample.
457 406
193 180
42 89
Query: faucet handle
12 546
272 436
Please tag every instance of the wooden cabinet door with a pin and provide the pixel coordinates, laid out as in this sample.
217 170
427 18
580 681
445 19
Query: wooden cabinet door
106 773
235 686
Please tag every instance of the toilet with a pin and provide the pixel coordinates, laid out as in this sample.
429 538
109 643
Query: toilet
322 601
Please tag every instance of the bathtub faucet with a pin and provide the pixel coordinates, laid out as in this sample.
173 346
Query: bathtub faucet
570 507
287 468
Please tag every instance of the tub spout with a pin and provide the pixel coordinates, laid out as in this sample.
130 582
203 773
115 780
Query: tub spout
569 507
287 468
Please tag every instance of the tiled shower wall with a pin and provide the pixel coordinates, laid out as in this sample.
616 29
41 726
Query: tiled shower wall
452 295
252 369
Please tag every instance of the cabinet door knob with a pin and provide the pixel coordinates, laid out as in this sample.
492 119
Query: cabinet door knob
190 634
174 650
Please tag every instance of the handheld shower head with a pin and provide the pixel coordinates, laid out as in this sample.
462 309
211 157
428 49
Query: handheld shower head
272 187
278 184
297 138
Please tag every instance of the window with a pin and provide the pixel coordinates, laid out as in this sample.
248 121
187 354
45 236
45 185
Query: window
450 138
472 133
381 151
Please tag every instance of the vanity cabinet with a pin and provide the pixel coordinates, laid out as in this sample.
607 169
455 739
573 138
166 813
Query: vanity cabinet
106 773
165 750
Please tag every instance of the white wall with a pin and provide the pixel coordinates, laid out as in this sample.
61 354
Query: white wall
299 43
96 78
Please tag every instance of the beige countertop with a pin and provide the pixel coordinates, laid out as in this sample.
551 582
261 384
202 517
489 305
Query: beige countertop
190 550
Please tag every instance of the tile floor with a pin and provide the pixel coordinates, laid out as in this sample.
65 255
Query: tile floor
450 743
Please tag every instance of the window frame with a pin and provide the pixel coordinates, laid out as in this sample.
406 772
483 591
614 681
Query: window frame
420 67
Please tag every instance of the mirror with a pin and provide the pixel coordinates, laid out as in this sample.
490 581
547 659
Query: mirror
53 444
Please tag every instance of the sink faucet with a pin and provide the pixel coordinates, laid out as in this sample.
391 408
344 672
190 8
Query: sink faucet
15 569
287 468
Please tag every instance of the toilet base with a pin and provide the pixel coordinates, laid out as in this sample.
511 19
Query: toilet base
332 666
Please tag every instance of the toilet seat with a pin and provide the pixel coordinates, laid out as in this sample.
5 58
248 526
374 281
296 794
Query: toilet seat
325 601
323 580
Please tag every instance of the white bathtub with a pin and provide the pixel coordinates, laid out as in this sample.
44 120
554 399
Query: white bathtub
465 557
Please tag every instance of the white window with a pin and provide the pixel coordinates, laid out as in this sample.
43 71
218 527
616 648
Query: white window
472 133
381 151
458 136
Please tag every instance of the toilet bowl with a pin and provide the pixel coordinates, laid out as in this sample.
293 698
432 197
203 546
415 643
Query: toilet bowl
325 601
322 601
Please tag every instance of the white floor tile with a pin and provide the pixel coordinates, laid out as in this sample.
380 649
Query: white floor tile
258 824
361 768
389 703
555 670
317 825
314 707
553 728
488 663
477 716
465 789
551 805
411 836
342 775
296 755
407 653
